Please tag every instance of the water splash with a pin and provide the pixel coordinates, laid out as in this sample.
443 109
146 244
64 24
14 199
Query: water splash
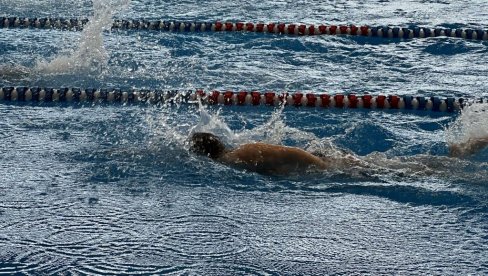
213 123
472 124
173 126
90 56
168 128
273 131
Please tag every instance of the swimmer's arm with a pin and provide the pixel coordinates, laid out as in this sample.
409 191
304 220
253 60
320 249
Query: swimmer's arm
472 146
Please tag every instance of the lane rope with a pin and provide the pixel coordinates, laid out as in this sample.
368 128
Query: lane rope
273 28
241 98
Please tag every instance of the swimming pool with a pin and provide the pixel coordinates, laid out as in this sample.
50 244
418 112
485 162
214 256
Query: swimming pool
111 189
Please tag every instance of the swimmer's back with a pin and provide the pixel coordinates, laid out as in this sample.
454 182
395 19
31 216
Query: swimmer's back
273 159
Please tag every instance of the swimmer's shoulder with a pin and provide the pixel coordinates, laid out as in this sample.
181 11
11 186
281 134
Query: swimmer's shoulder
263 149
252 152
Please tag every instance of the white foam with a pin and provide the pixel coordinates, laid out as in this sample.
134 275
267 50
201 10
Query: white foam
471 124
90 55
212 123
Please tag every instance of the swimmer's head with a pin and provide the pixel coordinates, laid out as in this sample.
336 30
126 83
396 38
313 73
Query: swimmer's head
207 144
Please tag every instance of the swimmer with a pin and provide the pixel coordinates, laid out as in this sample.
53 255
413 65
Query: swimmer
266 158
281 160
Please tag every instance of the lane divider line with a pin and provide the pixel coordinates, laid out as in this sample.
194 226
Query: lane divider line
273 28
241 98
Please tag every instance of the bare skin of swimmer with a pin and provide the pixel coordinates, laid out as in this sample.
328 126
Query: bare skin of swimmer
265 158
272 159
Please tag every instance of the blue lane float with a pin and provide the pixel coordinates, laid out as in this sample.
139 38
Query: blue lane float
241 98
273 28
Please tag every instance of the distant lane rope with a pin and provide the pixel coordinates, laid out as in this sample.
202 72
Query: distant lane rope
274 28
252 98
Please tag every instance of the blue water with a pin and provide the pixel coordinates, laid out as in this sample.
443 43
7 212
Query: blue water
99 189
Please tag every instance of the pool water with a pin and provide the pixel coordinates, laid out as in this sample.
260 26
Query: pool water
112 189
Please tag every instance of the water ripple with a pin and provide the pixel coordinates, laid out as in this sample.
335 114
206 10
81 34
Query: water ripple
115 268
204 236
